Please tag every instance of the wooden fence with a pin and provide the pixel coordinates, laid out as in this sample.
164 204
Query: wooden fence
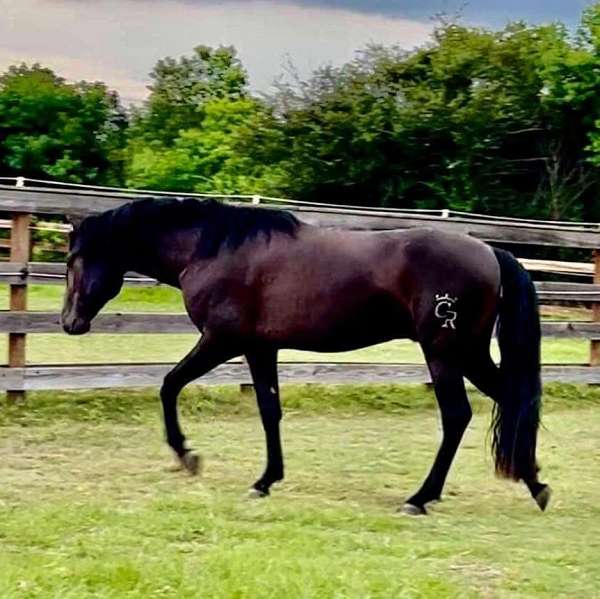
19 203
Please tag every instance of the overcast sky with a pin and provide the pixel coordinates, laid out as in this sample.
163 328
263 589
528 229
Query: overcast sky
118 41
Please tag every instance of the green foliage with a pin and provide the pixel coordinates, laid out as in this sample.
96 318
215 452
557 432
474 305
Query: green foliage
202 158
476 120
53 129
580 84
187 135
181 89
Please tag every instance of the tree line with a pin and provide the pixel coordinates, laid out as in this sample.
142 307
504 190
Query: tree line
500 122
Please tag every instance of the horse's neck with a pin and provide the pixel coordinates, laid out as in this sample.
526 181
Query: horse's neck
164 258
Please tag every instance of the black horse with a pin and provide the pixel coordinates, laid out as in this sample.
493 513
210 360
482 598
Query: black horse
256 280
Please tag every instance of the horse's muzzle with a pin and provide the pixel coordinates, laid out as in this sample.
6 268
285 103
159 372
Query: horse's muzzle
77 326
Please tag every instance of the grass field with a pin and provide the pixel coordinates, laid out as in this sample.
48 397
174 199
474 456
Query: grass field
61 349
88 507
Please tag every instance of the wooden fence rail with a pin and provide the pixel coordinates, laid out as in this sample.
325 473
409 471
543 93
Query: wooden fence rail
27 323
52 273
60 202
20 203
95 376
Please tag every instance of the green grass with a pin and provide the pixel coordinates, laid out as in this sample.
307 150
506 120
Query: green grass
132 299
61 349
88 508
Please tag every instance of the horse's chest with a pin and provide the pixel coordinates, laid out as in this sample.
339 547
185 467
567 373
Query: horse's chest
216 300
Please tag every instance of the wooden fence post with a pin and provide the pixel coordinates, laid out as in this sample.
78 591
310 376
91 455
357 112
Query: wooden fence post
246 388
20 247
595 343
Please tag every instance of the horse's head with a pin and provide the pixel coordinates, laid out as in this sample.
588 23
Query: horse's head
93 274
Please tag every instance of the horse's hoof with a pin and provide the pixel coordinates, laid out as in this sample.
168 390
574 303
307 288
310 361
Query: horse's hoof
543 498
191 462
413 510
254 493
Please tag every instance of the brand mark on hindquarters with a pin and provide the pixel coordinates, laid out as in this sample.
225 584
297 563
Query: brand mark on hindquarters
445 310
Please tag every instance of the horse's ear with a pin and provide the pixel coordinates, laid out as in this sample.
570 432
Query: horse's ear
74 220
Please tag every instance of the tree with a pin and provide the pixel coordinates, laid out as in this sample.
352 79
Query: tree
53 129
188 135
203 158
472 121
575 86
498 122
181 88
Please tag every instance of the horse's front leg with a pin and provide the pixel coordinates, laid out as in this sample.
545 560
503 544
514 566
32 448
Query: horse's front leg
263 367
208 353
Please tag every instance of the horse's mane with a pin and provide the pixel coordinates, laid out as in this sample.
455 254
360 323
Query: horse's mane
219 225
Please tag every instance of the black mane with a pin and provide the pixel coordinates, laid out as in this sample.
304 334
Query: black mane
219 225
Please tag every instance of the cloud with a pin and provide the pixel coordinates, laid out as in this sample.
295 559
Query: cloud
75 69
492 12
537 9
119 41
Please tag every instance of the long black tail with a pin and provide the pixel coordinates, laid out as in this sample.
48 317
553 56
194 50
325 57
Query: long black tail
517 415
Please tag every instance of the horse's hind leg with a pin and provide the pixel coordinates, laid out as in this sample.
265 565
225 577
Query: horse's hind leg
485 375
263 367
206 355
455 410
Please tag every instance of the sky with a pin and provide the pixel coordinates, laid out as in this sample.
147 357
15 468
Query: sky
119 41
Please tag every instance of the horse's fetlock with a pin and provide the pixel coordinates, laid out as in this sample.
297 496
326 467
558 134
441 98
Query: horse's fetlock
277 475
176 442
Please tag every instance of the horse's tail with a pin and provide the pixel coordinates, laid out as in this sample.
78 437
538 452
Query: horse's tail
517 414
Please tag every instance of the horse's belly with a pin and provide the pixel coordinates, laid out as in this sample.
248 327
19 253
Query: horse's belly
339 342
333 327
